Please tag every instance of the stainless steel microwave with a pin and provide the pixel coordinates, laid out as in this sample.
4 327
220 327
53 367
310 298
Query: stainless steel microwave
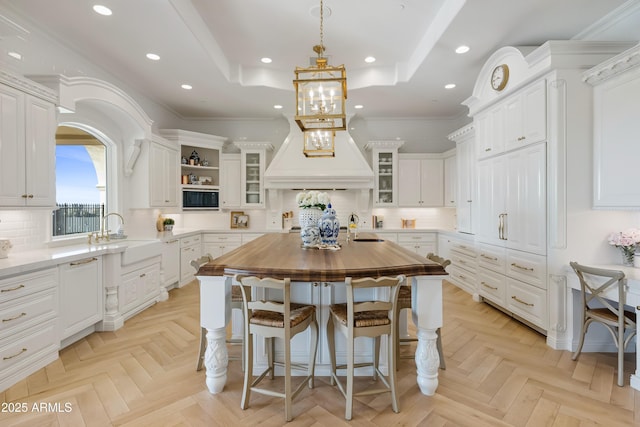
193 199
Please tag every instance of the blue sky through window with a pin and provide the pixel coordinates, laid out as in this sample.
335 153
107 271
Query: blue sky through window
76 177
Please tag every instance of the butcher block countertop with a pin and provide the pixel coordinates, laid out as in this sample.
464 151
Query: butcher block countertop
281 255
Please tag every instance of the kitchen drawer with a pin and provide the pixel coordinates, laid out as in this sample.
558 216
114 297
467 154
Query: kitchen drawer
191 240
463 261
223 238
25 284
417 238
528 302
27 311
529 268
462 278
492 286
492 258
21 347
463 247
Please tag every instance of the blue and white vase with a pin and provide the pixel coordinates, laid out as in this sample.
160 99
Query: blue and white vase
329 226
310 235
309 216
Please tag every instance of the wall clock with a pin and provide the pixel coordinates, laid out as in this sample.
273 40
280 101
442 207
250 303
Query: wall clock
500 77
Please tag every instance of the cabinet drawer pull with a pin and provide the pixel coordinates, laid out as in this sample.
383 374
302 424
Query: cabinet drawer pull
461 261
487 286
487 149
12 289
462 277
24 196
14 317
171 241
488 257
515 298
84 261
462 246
143 274
15 355
521 267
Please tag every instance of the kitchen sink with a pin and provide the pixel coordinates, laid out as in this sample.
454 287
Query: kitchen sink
367 240
139 250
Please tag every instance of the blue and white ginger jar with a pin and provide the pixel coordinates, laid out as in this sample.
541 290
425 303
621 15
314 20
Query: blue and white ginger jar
329 226
310 235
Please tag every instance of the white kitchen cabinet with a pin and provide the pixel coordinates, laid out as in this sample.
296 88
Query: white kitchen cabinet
164 176
27 152
463 268
420 180
81 297
450 179
512 200
218 244
253 160
190 249
29 336
490 132
385 171
616 89
466 178
526 116
154 179
139 287
420 243
170 264
230 181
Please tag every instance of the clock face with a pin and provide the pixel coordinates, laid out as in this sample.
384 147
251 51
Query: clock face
499 77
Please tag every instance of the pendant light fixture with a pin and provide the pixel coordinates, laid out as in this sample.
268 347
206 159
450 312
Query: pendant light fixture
321 91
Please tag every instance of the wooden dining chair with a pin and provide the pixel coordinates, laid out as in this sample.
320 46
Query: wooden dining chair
370 318
404 302
275 319
598 307
236 304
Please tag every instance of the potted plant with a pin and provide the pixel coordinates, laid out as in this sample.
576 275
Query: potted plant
168 224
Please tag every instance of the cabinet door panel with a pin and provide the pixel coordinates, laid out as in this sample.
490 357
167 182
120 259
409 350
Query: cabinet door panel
12 150
40 153
80 295
408 179
432 183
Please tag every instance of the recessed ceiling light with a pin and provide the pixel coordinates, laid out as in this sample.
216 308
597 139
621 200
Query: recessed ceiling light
15 55
102 10
449 86
462 49
266 60
358 107
369 59
153 56
186 87
278 107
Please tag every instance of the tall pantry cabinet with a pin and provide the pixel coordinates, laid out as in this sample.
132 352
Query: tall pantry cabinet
523 129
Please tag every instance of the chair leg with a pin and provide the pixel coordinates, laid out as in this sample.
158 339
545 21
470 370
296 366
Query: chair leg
248 369
203 348
312 355
583 332
376 357
331 344
621 348
350 368
392 372
287 378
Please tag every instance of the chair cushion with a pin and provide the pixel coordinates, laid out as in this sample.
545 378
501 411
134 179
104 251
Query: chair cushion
363 318
404 297
299 312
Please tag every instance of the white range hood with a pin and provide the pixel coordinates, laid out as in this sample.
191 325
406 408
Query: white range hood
290 169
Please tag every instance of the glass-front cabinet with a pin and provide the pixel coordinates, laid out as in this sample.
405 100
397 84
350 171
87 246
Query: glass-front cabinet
385 169
253 158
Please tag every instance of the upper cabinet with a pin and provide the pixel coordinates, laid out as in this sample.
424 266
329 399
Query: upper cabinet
154 179
230 191
199 159
27 148
450 178
385 171
616 128
517 121
253 159
420 180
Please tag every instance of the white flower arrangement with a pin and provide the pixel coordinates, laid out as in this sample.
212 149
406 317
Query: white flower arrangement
312 199
628 239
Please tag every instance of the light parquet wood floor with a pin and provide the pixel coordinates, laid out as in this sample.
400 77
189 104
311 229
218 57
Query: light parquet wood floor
499 373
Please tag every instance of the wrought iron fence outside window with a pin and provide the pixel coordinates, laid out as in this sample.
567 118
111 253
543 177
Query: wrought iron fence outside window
75 218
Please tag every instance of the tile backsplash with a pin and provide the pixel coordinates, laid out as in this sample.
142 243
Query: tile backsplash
27 229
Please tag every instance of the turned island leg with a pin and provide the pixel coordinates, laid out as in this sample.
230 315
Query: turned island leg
216 359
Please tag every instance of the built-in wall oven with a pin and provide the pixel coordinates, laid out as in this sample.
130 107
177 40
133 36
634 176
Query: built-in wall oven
197 199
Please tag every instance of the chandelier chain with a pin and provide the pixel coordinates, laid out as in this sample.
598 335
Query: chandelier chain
321 25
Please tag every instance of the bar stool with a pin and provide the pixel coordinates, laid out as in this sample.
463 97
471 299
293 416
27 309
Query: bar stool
404 302
596 307
372 318
236 303
275 319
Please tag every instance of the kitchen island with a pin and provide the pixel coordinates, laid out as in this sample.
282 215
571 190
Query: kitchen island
318 275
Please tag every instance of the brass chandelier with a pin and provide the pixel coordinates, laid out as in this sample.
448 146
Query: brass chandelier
321 91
